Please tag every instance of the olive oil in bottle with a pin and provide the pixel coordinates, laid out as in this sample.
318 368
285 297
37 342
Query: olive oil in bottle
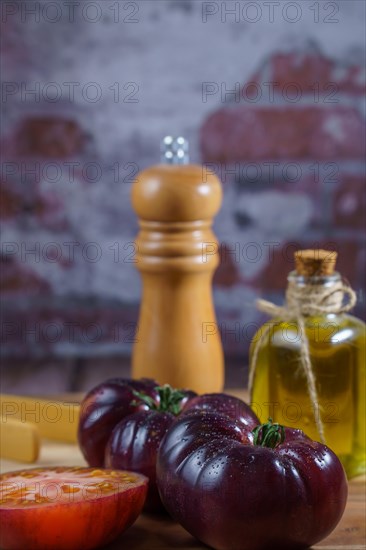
314 316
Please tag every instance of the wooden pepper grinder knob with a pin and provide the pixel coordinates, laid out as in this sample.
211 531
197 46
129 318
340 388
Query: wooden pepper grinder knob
177 342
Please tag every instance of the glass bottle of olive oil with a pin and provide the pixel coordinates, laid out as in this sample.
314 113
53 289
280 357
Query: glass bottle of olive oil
336 346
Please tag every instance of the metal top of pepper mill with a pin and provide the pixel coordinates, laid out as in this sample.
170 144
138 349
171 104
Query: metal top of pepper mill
174 150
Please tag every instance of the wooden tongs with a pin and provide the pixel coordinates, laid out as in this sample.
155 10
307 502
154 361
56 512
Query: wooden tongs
24 421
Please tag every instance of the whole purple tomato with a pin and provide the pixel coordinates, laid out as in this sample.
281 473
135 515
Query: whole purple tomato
235 488
228 405
134 444
122 423
103 407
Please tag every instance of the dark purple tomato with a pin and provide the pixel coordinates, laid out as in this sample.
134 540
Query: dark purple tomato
134 444
187 396
235 488
228 405
123 421
105 406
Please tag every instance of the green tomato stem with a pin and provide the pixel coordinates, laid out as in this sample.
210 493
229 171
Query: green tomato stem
269 434
170 399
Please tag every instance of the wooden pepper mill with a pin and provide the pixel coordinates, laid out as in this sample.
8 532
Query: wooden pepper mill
178 340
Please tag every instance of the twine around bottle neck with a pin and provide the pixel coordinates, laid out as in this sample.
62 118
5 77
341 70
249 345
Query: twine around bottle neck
311 299
302 300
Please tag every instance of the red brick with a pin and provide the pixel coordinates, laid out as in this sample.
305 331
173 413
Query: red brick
349 207
10 202
227 273
274 275
304 69
50 212
307 69
47 208
240 134
17 279
50 137
43 328
312 72
348 262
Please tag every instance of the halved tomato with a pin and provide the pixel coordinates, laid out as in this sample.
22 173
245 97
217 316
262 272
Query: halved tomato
67 508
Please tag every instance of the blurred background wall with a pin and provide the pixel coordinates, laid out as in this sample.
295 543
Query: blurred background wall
271 95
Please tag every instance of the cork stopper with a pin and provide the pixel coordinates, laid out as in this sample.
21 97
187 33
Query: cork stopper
318 263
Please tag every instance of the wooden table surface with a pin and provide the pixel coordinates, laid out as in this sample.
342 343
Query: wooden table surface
161 533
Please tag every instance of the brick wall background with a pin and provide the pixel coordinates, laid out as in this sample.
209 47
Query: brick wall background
270 95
